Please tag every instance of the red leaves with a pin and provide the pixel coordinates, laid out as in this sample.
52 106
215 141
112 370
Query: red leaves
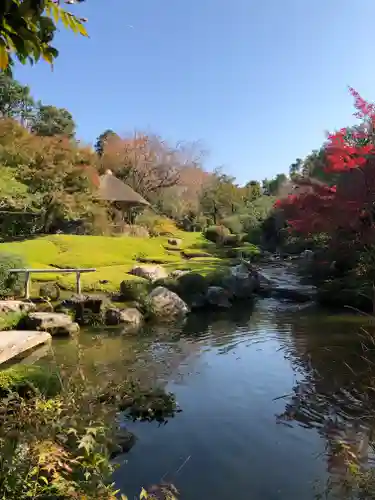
348 149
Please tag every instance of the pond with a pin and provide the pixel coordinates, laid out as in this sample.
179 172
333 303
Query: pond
266 390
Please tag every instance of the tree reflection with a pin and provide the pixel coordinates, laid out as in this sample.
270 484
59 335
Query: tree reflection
335 393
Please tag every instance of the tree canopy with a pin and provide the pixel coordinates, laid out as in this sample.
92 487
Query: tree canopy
28 27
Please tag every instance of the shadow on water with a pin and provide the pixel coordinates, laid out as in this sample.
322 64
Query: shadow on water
237 436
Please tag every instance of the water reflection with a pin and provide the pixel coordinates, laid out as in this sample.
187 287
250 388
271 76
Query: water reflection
336 392
228 371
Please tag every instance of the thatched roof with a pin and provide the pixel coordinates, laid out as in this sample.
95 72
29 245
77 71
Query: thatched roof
112 189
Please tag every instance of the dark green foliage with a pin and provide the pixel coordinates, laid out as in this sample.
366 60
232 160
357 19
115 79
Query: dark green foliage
134 290
190 285
50 121
11 283
102 140
216 233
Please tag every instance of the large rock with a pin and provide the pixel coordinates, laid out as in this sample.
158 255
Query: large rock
53 323
166 305
129 317
241 287
150 272
217 296
16 306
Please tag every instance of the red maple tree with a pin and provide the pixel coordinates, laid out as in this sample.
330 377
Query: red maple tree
348 206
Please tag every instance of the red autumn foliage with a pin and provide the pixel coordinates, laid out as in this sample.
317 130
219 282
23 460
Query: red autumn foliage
348 206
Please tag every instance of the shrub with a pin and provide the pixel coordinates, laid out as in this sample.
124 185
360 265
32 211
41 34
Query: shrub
136 290
11 283
234 224
216 234
10 320
156 224
49 291
233 240
29 378
191 284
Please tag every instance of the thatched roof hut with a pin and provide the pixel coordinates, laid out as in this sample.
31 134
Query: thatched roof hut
114 190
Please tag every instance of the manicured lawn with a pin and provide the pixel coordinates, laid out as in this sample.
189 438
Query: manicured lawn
113 257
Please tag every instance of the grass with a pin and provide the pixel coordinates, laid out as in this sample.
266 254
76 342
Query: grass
113 257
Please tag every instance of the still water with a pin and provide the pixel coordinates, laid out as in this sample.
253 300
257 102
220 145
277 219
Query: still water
237 436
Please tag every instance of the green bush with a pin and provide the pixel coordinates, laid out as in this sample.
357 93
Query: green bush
190 285
234 223
157 225
217 234
49 291
136 290
233 240
11 283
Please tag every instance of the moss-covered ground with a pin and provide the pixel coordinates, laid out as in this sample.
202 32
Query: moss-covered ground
113 257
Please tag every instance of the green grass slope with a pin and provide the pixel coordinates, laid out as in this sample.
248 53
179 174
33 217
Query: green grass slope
113 257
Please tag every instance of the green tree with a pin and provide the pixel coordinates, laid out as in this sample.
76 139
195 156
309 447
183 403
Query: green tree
15 99
50 121
57 177
221 198
295 168
102 140
27 30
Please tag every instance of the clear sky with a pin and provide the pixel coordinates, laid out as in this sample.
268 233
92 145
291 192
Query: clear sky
258 82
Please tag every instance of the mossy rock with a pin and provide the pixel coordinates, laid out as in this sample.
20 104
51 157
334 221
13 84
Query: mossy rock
29 379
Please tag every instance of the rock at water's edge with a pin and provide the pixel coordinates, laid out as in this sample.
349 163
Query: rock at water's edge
131 317
166 305
53 323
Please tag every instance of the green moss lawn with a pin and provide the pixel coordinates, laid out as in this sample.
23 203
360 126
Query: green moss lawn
113 257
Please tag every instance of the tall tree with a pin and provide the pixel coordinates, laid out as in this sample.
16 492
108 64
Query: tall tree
145 162
50 121
295 168
102 140
27 30
15 99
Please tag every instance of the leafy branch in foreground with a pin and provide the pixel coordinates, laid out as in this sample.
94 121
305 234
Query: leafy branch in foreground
27 29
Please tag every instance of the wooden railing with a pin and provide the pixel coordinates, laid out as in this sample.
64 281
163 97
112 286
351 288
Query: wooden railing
77 272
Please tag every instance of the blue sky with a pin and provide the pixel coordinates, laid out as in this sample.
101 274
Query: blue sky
257 82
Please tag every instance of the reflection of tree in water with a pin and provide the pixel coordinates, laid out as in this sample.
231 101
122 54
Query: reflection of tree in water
336 391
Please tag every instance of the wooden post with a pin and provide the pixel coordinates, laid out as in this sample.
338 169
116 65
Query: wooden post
27 285
78 282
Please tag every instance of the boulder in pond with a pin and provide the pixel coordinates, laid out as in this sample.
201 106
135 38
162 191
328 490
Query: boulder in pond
166 305
217 296
149 272
124 441
240 287
16 306
130 317
53 323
